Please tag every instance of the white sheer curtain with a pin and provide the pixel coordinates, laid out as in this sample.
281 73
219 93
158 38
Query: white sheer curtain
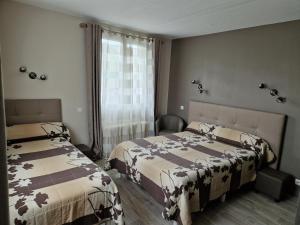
127 89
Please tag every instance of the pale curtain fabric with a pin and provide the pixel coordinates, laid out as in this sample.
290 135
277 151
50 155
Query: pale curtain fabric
127 89
93 38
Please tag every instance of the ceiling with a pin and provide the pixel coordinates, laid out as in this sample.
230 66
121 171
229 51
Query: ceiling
178 18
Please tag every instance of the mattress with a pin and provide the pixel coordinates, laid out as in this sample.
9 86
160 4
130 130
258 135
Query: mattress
184 171
52 182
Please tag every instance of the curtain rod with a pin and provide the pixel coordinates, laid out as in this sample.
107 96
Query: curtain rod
85 25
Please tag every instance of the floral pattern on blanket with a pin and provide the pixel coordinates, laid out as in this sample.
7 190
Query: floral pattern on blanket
190 169
37 131
52 177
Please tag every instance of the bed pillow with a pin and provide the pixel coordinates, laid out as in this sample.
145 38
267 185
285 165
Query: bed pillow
234 137
36 131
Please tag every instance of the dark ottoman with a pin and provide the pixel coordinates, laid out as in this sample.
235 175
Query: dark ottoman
274 183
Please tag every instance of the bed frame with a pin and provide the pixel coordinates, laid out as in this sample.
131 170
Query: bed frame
269 126
24 111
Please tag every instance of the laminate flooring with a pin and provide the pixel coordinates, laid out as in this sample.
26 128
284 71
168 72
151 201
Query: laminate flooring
244 207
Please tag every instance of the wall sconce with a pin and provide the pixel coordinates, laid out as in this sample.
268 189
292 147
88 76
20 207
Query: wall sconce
200 86
33 75
273 92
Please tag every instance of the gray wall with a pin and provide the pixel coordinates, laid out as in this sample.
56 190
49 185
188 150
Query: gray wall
3 169
51 43
232 64
298 212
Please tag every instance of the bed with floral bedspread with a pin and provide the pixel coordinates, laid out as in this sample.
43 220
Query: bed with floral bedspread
184 171
52 182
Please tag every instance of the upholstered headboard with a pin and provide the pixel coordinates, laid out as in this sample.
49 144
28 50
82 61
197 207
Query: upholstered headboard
22 111
269 126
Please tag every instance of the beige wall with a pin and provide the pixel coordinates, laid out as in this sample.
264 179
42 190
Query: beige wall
232 64
51 43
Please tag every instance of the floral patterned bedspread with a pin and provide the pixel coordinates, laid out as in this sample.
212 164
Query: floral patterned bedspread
52 182
184 171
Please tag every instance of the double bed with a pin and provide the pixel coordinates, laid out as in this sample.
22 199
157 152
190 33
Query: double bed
221 150
50 181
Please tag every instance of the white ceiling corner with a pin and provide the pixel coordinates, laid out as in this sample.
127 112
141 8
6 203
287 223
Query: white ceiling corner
178 18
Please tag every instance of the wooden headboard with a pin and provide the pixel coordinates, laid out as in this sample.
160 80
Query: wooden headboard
24 111
269 126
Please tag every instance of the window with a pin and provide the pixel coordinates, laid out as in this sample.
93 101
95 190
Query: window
127 89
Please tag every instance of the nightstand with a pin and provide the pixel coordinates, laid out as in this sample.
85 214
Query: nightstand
274 183
86 151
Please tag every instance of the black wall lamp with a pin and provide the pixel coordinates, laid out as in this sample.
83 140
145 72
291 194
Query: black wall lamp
273 92
200 86
33 75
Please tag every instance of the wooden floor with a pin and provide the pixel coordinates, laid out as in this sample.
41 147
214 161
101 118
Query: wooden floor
243 208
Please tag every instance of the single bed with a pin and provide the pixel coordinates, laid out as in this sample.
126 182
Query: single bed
50 181
220 151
